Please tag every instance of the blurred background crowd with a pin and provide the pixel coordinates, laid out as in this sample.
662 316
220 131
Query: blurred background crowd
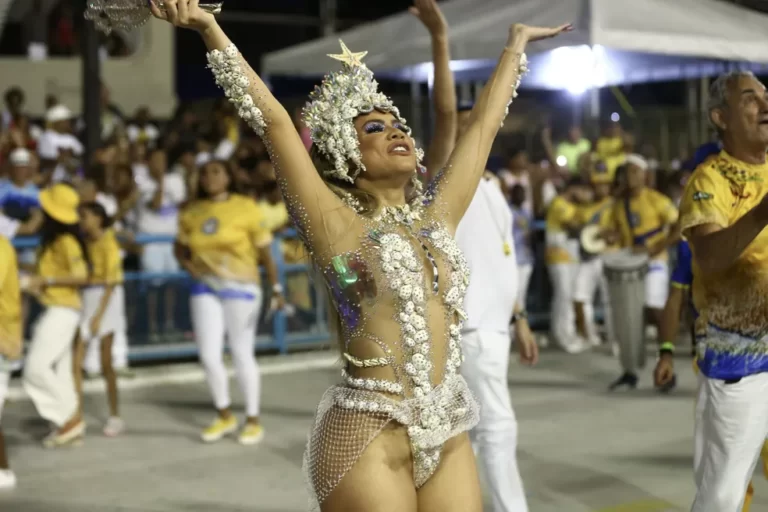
146 163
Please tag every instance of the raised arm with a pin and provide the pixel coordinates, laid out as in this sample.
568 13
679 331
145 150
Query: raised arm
456 185
444 93
318 213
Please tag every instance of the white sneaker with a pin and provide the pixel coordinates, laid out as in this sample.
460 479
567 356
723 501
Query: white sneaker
576 346
7 480
114 426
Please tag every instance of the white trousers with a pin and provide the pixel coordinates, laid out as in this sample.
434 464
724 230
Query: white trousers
495 436
48 378
563 319
731 426
115 322
589 280
212 318
523 280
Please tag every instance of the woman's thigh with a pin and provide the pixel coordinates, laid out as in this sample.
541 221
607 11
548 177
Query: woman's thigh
455 486
380 481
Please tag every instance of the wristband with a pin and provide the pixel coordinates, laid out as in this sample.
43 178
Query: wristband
277 289
667 347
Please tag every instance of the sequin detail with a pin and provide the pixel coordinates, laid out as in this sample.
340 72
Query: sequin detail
521 71
230 76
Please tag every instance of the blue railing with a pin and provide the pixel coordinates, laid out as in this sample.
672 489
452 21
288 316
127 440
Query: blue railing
277 332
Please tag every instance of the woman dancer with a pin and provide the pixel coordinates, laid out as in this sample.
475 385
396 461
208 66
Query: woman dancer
103 314
62 269
222 238
393 269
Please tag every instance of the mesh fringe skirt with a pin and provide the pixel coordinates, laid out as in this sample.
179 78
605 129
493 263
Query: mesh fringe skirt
349 419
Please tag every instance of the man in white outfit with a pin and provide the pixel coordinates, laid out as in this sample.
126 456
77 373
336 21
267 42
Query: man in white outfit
491 303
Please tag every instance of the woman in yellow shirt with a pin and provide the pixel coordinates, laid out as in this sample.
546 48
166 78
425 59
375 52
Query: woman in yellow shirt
62 269
10 340
102 308
222 237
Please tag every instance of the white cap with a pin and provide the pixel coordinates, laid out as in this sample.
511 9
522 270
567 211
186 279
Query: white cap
58 113
20 157
637 160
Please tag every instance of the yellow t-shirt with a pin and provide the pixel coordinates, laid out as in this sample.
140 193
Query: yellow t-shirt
106 263
10 302
63 259
611 151
560 249
223 237
721 191
644 219
275 215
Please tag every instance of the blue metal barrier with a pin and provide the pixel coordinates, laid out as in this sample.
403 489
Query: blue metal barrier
312 326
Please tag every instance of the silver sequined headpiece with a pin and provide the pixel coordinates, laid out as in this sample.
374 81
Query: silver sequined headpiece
334 105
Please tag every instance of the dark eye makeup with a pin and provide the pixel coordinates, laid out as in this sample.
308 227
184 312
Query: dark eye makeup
380 126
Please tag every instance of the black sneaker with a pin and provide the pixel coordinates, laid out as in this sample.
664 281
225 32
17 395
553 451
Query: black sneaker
628 379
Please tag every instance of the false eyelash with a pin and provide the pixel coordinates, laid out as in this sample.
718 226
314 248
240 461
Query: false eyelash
374 127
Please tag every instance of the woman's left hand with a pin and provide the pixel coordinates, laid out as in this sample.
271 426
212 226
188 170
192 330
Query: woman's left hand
536 33
430 15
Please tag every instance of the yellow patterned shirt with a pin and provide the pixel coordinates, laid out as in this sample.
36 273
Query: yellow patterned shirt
644 220
10 302
106 263
62 259
223 236
733 321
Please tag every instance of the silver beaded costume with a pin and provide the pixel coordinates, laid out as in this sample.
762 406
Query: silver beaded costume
397 281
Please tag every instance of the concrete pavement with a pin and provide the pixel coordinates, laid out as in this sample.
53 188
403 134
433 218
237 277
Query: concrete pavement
581 448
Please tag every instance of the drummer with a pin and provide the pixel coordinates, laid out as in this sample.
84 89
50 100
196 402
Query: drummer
563 224
645 221
589 276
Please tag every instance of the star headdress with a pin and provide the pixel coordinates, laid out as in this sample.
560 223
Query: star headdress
335 103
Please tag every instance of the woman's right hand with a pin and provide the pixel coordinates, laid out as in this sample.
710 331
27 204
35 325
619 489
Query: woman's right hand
531 34
183 14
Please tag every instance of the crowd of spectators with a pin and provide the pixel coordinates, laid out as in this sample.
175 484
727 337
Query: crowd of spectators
145 170
142 173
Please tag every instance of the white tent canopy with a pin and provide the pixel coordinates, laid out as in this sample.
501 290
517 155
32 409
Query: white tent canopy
680 38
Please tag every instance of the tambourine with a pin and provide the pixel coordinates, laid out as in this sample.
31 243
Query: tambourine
108 15
591 241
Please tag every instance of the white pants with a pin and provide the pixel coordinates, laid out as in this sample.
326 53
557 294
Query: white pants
212 318
731 426
48 378
495 436
589 280
114 322
523 280
657 284
562 276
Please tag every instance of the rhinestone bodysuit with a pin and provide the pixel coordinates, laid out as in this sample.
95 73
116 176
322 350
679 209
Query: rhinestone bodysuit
397 281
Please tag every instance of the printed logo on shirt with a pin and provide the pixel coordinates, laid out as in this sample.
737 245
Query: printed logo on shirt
701 196
210 226
634 219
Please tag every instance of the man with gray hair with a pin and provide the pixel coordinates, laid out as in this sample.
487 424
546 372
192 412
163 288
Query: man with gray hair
724 211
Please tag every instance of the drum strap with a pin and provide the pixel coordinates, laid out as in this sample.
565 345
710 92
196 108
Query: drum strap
642 237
